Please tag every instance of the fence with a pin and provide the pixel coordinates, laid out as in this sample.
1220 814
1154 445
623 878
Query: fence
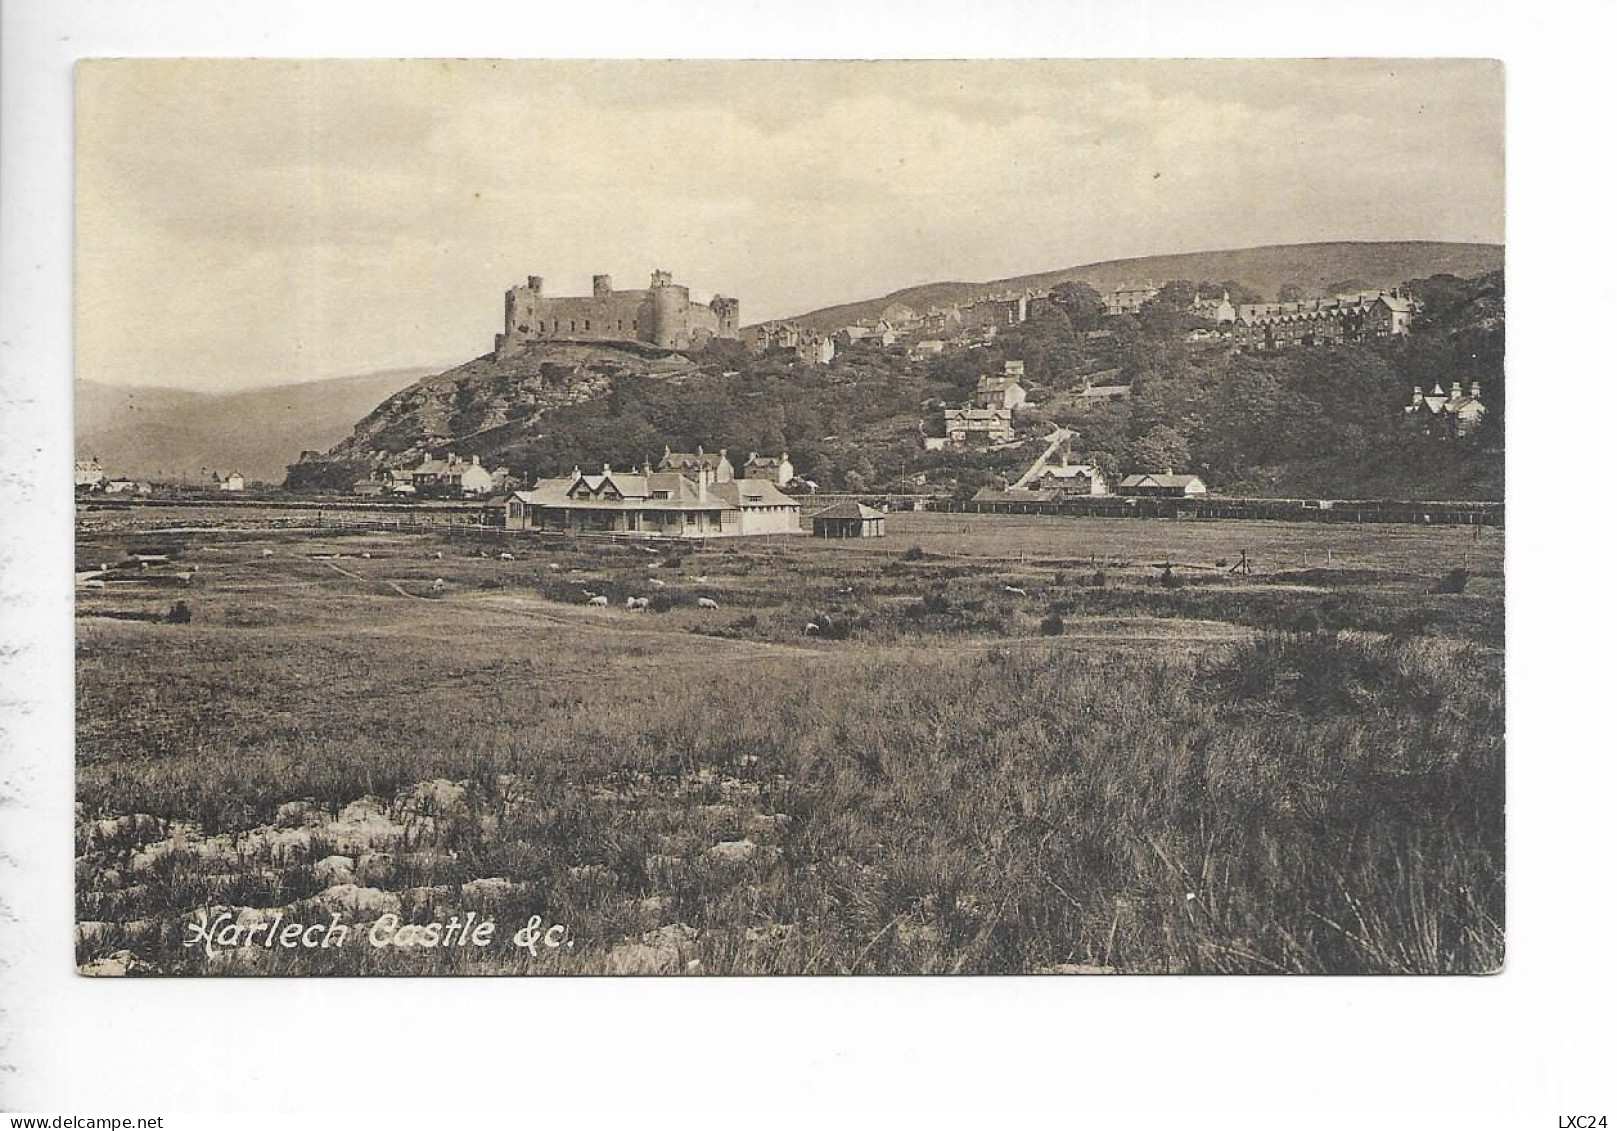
1279 510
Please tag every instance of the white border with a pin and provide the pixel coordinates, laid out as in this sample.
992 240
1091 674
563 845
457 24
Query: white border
1531 1040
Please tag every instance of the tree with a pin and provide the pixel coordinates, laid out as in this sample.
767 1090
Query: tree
1080 302
1289 292
1160 450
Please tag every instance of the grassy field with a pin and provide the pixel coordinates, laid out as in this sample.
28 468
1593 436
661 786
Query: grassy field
1006 745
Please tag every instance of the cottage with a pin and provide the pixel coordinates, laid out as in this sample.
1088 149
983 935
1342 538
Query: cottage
88 473
452 477
1066 478
1164 485
661 503
968 426
1453 414
776 469
232 482
1002 390
850 520
1129 298
717 464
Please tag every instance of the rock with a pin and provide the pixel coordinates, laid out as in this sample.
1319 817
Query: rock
333 870
658 952
118 964
298 814
490 889
596 875
376 869
768 826
436 798
360 825
357 901
742 851
277 845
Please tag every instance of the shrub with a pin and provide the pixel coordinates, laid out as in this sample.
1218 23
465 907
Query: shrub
179 613
936 602
913 554
1170 579
1097 580
662 602
1052 625
1454 581
674 560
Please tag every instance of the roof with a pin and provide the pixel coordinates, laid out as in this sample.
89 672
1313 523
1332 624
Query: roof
689 461
751 493
850 510
1067 471
1163 480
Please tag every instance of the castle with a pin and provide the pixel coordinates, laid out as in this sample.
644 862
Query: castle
661 315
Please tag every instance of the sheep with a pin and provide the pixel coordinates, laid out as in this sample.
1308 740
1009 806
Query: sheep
600 601
439 556
706 603
810 628
659 583
266 553
555 566
700 580
637 604
95 583
438 585
508 557
1014 590
366 555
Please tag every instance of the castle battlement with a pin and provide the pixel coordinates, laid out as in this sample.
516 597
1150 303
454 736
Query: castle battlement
661 315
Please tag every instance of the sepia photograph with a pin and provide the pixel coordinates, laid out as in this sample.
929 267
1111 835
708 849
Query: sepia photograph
748 518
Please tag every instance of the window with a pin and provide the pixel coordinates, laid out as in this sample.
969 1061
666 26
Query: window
573 325
586 323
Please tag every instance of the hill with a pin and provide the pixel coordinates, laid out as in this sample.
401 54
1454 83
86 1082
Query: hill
163 433
1312 266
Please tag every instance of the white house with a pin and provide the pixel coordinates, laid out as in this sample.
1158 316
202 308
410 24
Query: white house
665 503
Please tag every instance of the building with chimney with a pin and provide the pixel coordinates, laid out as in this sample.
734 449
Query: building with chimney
450 477
1454 413
653 503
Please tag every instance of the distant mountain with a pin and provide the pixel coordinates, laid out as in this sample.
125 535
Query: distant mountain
159 433
1311 266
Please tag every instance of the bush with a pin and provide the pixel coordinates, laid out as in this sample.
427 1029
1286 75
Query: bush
1454 581
1052 625
661 602
913 554
935 603
1170 579
179 613
1097 580
674 560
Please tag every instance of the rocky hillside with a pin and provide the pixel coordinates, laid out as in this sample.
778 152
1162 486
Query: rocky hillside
483 407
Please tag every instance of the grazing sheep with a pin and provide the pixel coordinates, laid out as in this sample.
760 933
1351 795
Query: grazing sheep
555 565
185 578
439 555
366 555
601 601
1015 590
845 590
266 553
508 557
700 580
95 583
660 584
706 603
810 628
438 585
638 604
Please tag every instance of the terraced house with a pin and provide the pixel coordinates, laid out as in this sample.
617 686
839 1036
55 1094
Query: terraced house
653 503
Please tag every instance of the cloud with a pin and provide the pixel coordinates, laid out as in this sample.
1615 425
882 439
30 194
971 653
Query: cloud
242 222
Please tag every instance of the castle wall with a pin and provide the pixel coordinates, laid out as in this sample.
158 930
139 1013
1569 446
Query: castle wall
662 315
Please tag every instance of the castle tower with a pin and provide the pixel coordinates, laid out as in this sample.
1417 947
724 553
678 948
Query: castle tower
603 285
670 306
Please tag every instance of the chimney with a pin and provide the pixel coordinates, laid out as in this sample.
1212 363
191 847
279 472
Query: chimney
606 469
1476 389
477 461
577 474
1416 398
1454 391
702 477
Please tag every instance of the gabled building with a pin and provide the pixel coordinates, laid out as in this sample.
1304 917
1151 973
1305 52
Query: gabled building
1067 478
850 520
1450 414
1129 298
653 503
1165 485
88 473
717 464
451 477
1002 390
967 427
774 469
233 481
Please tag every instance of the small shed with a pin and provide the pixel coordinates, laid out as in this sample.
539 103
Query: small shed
850 520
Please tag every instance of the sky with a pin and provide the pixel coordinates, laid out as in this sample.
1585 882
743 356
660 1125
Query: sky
243 223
